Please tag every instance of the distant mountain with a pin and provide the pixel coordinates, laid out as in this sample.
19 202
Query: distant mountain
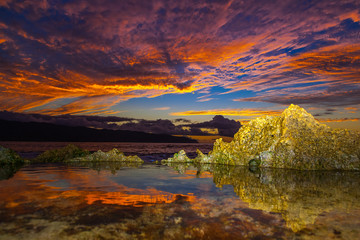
35 131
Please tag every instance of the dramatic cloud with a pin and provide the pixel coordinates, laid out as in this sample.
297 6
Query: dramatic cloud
217 126
158 126
332 77
224 126
88 56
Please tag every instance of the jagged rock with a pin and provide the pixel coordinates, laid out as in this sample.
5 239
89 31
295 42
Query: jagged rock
61 155
292 140
181 157
202 158
111 156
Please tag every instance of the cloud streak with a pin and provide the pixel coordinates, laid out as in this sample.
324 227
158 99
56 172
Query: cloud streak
228 112
339 120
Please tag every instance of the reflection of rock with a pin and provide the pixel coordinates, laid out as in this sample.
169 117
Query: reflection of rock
110 156
100 166
178 166
293 140
61 155
10 162
300 196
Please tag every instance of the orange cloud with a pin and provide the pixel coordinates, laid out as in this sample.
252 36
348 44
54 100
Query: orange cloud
213 52
25 93
228 112
339 120
351 109
161 108
339 62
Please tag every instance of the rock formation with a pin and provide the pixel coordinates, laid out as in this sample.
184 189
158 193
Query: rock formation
295 139
10 162
111 156
61 155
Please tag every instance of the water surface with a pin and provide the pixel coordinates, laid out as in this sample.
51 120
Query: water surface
121 201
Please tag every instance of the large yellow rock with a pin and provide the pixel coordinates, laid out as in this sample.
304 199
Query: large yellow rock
292 140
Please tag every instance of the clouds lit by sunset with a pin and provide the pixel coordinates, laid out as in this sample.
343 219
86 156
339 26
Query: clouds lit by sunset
163 59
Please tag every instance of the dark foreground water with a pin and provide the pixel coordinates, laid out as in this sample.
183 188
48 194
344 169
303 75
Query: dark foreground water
131 201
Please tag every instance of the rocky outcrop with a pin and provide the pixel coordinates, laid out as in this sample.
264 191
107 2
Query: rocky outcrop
111 156
10 162
179 157
295 139
292 140
61 155
73 154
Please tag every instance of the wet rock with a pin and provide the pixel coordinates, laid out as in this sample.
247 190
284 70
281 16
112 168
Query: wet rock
111 156
292 140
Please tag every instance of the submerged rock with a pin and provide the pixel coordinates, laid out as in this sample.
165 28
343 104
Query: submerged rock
292 140
111 156
61 155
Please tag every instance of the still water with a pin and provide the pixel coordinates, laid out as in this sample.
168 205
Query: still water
116 201
149 201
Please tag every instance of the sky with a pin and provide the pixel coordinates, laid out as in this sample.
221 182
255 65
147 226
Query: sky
149 60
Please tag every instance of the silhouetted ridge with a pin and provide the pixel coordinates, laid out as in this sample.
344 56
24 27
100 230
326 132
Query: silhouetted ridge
33 131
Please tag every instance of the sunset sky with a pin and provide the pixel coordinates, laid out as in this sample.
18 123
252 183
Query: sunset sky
185 59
